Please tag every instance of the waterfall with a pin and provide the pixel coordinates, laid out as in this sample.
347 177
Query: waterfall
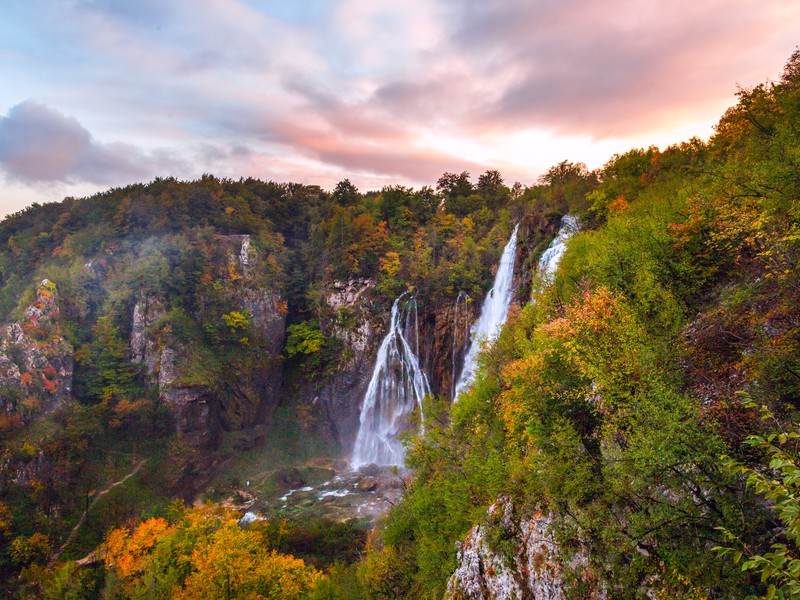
548 262
397 387
493 313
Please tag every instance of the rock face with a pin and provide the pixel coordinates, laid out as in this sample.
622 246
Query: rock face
535 233
36 361
444 340
512 556
144 348
200 409
348 318
194 409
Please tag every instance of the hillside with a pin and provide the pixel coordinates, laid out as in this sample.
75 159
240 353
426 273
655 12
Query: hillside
633 429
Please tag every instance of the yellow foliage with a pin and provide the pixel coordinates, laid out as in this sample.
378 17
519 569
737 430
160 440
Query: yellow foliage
234 563
218 557
390 263
233 273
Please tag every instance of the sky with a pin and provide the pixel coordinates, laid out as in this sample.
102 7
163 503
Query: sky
102 93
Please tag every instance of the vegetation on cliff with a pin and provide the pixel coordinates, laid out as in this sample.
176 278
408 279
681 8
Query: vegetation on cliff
609 400
171 297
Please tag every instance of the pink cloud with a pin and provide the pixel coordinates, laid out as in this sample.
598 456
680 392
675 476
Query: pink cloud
397 157
616 67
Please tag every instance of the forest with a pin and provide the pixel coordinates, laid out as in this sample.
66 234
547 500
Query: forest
639 411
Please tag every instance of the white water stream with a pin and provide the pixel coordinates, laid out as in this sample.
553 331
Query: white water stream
493 314
397 388
548 262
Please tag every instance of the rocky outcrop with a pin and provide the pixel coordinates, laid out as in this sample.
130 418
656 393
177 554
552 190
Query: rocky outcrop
253 396
238 247
511 556
203 409
194 409
144 346
536 231
36 361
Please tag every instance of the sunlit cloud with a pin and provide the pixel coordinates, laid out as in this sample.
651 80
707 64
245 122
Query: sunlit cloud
111 92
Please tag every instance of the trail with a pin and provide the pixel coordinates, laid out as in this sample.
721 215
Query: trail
74 533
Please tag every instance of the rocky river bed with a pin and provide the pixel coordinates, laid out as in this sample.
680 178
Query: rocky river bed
365 494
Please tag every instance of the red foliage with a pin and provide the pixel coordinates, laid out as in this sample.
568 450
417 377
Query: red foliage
50 372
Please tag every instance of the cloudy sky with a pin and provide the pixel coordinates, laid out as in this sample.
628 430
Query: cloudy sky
101 93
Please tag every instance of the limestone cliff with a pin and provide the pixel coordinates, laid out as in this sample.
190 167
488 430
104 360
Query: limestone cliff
36 361
513 556
203 408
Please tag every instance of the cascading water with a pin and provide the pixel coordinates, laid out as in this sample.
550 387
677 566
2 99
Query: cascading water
548 262
397 387
493 313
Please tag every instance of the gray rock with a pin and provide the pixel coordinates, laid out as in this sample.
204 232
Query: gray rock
530 565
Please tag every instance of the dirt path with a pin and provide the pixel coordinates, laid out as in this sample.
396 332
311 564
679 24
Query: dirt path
74 533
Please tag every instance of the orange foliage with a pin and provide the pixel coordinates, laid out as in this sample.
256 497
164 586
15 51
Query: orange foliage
578 364
618 204
127 553
218 559
126 412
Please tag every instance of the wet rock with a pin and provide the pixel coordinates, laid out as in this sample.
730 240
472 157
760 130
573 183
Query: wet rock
371 470
289 478
367 484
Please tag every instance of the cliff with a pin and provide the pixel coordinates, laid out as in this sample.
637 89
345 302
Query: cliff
36 361
331 395
513 555
203 407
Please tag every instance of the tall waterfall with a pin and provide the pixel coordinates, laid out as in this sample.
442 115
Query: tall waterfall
548 262
397 387
493 313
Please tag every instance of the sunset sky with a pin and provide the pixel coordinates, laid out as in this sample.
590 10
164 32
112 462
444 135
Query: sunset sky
101 93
